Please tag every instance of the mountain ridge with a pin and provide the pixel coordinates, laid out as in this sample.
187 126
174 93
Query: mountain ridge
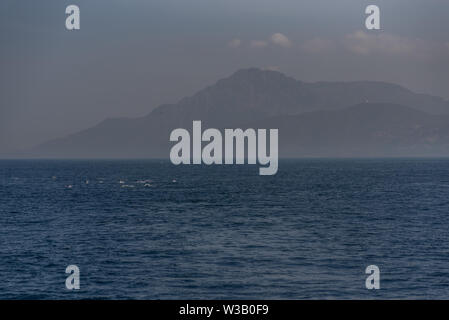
250 96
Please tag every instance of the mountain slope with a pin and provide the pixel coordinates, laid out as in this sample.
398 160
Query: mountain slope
362 130
268 99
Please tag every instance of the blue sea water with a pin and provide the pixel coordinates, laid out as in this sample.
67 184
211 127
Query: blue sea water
151 230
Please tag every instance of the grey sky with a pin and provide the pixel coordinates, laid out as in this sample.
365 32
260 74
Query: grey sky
130 56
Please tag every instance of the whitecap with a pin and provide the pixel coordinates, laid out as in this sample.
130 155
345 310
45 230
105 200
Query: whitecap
143 181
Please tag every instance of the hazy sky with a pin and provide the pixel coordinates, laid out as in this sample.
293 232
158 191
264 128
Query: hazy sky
130 56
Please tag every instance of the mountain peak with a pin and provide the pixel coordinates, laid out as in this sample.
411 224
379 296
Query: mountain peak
257 75
253 71
263 97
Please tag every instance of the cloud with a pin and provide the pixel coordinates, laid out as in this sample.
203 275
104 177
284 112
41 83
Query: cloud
234 43
364 43
281 40
377 44
258 44
277 39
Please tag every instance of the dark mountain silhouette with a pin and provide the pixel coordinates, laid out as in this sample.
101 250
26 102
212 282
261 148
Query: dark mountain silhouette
314 119
363 130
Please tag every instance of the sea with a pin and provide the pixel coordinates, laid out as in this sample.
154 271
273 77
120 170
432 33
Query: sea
147 229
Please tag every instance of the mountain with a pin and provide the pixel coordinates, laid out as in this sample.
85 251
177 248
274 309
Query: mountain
322 118
363 130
